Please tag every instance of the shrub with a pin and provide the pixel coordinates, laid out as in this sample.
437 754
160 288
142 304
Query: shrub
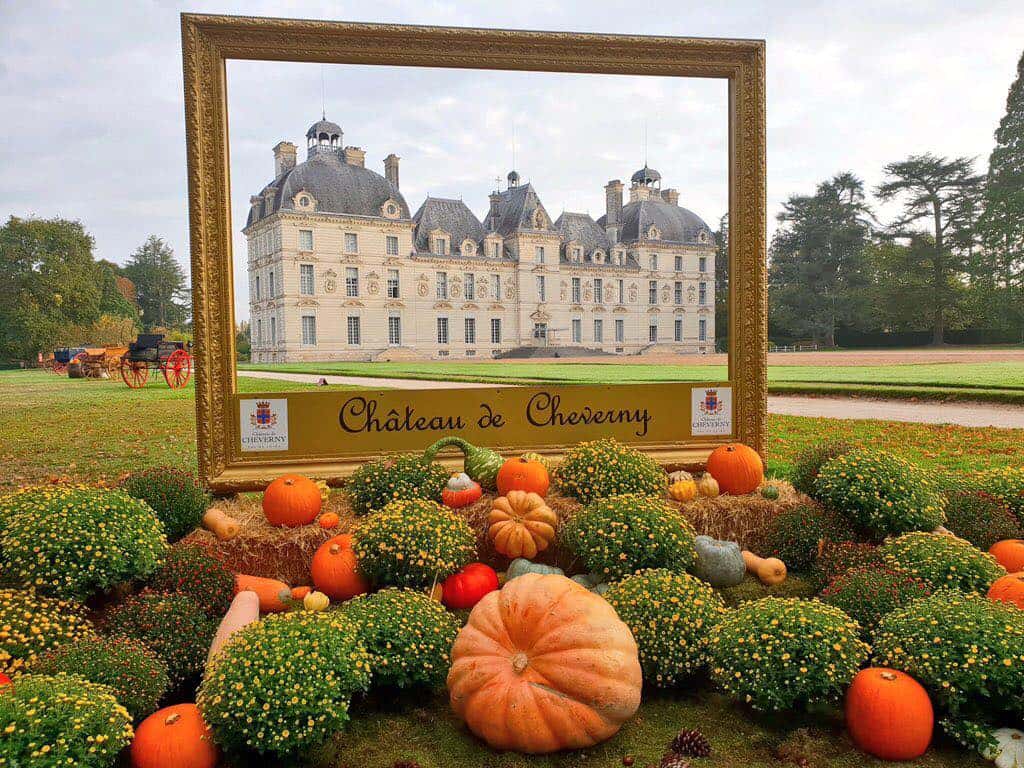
620 535
410 476
794 535
175 495
31 624
192 570
751 588
61 720
981 518
604 468
284 684
670 616
968 652
868 594
810 461
1006 484
777 654
943 561
407 635
412 543
880 493
135 674
837 557
173 626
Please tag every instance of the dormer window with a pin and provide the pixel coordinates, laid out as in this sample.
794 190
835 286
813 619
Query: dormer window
653 233
577 254
703 236
539 220
440 247
598 257
468 248
303 202
390 209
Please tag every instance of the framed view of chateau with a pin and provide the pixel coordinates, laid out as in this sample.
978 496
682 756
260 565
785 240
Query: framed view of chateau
479 233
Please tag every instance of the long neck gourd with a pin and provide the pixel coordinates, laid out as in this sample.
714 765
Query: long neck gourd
481 464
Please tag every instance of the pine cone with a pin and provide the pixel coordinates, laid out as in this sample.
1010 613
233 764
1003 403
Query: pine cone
674 761
691 744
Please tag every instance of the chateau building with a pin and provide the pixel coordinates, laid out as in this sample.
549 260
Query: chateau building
340 268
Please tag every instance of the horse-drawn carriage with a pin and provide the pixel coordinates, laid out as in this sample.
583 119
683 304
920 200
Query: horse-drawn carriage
150 351
98 362
62 357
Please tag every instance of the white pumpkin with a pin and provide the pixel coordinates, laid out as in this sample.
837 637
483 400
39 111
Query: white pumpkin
1010 750
460 482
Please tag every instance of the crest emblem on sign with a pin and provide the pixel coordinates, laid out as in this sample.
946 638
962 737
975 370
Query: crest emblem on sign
264 417
710 405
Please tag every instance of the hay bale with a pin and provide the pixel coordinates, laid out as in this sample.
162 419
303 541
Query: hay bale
740 518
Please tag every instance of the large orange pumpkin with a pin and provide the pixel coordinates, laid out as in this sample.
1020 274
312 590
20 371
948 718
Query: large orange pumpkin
523 474
1009 553
737 468
174 737
292 500
521 524
1008 589
544 665
334 569
889 714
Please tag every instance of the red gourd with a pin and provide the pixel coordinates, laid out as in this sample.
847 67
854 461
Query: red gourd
467 587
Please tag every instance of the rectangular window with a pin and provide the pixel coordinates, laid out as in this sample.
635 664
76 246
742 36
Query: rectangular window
702 329
442 330
440 246
540 332
679 263
652 332
702 264
702 294
392 245
496 286
575 290
470 330
541 288
654 262
469 284
306 279
351 242
677 333
394 330
577 330
305 239
539 253
622 291
256 287
273 330
351 281
308 331
652 292
272 288
259 332
393 284
598 290
677 292
495 330
620 331
496 250
355 336
442 285
599 331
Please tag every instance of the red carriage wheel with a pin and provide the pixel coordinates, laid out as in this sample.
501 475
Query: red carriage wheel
134 373
178 369
59 368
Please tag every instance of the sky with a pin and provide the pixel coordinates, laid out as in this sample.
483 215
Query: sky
93 125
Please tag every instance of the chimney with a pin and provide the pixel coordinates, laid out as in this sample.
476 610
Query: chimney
391 169
495 211
355 156
284 157
670 196
613 209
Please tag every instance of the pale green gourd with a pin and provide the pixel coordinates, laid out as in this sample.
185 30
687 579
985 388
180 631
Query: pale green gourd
481 464
521 566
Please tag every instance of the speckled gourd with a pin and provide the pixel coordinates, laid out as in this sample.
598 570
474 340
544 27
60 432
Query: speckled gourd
719 563
481 464
521 566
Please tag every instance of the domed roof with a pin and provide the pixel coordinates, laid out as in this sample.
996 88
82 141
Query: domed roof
336 186
323 126
646 176
673 223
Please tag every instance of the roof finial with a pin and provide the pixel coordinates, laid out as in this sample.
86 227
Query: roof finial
513 144
645 142
323 95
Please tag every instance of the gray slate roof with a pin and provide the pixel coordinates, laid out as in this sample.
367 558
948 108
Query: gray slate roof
323 126
646 176
515 211
453 216
677 225
584 230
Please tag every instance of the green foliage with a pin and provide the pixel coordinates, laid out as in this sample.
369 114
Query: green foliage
751 588
175 495
670 616
1005 483
778 654
61 720
192 570
135 674
72 541
868 594
173 626
606 467
407 635
284 684
160 286
980 518
794 535
880 492
378 483
943 561
836 558
413 543
620 535
809 462
31 624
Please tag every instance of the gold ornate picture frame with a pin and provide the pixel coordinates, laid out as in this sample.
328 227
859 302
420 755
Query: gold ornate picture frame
321 445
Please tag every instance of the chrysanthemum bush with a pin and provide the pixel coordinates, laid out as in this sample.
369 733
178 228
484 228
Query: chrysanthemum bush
32 624
412 543
619 535
1005 483
73 541
175 495
981 518
968 652
782 653
173 626
61 720
190 569
378 483
942 561
838 557
810 461
794 535
868 594
284 684
133 672
603 468
408 636
881 493
671 616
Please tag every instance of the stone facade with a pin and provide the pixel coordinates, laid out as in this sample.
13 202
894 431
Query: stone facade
340 270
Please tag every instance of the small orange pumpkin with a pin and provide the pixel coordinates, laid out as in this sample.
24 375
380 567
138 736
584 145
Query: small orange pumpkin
292 500
1008 589
1009 553
521 524
523 474
174 737
737 468
300 592
683 490
334 569
889 714
329 520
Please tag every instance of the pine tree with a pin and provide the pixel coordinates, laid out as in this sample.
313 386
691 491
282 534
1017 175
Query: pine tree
160 284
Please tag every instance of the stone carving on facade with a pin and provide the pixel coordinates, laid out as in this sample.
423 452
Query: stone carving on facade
633 293
563 291
510 292
330 281
373 283
609 294
588 294
665 294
